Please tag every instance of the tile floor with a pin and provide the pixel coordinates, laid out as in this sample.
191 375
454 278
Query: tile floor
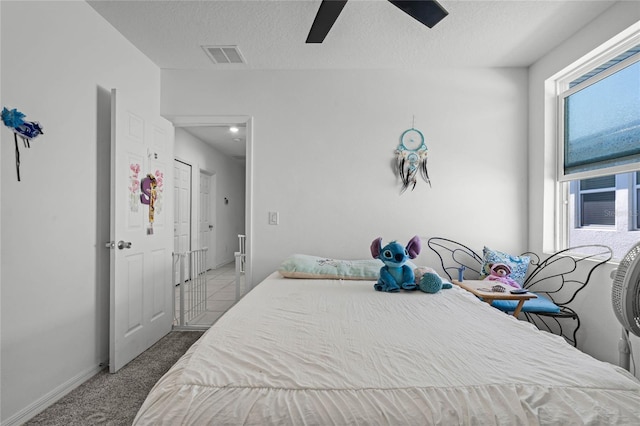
220 296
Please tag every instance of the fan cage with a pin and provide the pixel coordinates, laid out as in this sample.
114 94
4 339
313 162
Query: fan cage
625 295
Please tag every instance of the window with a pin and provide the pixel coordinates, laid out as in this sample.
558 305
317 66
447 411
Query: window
599 147
601 117
597 201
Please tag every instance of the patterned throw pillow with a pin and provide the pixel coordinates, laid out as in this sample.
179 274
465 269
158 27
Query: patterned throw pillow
314 267
518 264
305 266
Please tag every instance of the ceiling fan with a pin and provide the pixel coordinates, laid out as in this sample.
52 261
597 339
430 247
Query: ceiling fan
428 12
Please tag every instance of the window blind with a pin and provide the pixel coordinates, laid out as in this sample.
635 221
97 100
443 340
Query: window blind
602 119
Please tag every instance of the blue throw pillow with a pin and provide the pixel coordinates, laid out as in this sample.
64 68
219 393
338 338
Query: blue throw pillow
518 264
539 304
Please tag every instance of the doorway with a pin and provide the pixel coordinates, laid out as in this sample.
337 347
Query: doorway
216 193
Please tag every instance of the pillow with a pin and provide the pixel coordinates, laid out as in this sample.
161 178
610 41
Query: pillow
518 264
313 267
305 266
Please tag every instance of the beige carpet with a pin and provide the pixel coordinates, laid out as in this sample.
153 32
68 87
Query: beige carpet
114 399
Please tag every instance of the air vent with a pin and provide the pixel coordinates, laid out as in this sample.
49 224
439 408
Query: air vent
224 54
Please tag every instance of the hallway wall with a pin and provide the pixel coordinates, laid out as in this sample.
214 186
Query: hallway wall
323 151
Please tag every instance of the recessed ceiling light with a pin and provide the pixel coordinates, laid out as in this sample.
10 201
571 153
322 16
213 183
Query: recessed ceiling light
233 129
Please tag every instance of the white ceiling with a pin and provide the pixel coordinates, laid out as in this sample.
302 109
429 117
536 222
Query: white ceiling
271 34
220 137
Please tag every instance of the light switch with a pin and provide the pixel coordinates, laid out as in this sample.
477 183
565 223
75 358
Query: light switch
274 218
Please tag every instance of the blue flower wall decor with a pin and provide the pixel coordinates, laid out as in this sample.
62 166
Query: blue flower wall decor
27 130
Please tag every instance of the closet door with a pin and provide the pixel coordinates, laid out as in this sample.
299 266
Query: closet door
182 210
206 225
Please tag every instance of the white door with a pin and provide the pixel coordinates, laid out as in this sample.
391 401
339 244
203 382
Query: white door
182 210
141 292
206 224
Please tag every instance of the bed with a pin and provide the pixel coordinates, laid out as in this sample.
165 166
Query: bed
314 351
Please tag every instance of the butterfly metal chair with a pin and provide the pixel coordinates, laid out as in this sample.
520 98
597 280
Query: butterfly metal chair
556 281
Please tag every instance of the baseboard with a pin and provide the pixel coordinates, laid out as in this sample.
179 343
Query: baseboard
224 263
50 398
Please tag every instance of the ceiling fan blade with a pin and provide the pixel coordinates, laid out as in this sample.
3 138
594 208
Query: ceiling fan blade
428 12
326 16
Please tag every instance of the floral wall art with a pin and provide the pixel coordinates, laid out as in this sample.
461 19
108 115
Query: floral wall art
134 187
159 175
146 190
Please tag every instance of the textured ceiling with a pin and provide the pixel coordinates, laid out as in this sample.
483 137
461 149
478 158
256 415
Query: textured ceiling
271 34
368 33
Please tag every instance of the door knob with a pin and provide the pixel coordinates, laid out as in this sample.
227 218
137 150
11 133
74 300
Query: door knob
210 226
124 244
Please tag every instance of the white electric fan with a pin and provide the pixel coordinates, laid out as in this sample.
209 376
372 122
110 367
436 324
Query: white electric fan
625 297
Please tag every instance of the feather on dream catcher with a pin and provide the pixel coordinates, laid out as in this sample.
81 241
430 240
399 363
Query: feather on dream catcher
27 130
411 159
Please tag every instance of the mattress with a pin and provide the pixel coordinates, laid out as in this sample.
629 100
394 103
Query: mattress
322 352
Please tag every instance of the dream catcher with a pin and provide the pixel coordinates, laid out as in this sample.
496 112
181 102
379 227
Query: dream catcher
411 159
27 130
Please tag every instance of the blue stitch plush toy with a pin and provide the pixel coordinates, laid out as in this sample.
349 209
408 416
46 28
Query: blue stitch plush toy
395 274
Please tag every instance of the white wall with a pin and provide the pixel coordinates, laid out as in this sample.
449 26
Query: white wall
230 182
323 146
600 329
59 60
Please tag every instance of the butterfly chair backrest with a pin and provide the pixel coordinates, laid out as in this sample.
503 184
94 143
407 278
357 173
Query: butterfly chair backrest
569 269
558 277
453 256
565 273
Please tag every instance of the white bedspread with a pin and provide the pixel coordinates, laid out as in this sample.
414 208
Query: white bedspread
321 352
